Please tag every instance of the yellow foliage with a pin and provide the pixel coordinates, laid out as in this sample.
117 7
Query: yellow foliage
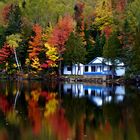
50 107
36 64
103 14
14 40
35 94
27 62
14 65
51 54
12 117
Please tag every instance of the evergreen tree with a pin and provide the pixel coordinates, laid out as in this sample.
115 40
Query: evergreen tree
14 21
112 50
98 47
75 50
135 61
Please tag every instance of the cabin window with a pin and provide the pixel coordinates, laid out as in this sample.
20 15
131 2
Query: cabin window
100 68
69 68
93 92
93 68
86 68
86 92
69 90
110 68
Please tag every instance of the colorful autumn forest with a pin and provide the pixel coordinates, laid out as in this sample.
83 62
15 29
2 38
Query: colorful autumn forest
40 37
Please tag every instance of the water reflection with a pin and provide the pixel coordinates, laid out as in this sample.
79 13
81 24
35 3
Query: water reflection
99 94
35 110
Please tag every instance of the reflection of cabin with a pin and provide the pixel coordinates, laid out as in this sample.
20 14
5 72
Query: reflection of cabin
96 93
97 67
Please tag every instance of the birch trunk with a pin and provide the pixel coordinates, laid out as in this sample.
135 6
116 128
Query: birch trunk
16 59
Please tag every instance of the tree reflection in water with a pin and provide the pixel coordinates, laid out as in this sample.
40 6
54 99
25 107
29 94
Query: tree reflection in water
41 110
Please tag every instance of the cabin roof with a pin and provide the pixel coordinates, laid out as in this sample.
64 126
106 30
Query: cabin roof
102 60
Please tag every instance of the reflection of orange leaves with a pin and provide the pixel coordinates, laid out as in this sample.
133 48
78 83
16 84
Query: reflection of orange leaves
34 114
3 134
35 94
59 124
48 96
4 105
107 126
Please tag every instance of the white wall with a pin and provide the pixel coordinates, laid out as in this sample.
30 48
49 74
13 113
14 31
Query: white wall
65 71
74 70
120 71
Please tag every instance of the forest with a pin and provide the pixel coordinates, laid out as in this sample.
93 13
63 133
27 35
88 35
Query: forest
41 36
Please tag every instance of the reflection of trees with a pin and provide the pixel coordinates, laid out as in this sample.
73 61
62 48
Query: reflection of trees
112 112
133 112
83 116
74 107
73 117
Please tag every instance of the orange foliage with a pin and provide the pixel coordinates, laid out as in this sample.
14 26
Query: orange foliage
59 124
36 43
107 30
34 114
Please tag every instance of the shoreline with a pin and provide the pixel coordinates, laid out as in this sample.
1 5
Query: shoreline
63 78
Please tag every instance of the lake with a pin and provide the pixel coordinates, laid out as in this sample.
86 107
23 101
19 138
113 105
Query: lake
43 110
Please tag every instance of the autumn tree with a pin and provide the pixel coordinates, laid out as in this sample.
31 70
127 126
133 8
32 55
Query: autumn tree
60 35
51 56
103 12
35 46
13 41
5 53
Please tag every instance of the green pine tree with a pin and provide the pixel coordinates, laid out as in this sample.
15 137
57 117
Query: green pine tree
75 50
112 50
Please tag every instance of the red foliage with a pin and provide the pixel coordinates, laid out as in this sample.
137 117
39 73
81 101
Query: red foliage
6 12
107 126
4 105
121 5
5 52
47 64
107 30
61 33
44 65
36 43
34 114
60 125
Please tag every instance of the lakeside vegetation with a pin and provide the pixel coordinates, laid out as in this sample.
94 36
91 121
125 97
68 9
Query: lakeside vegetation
40 37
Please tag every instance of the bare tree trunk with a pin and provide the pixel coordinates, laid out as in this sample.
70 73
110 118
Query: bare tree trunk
60 65
16 59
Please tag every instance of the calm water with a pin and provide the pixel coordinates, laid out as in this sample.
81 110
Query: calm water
55 111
